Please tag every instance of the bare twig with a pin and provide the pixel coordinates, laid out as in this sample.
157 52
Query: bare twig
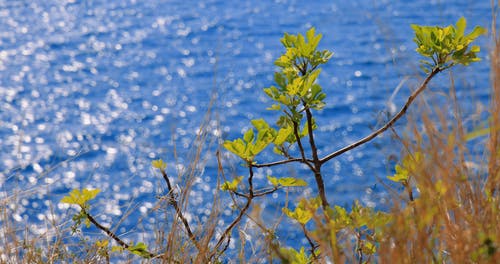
110 233
263 193
271 164
388 124
311 242
178 211
227 232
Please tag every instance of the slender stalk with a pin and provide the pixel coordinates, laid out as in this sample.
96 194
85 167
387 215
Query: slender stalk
301 147
263 193
178 211
494 140
311 242
271 164
249 198
368 138
388 124
110 233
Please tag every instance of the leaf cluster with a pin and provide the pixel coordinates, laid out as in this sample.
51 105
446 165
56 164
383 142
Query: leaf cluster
80 198
251 144
286 182
409 165
292 256
296 89
304 211
447 46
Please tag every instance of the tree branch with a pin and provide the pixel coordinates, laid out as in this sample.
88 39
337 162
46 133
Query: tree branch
271 164
110 233
317 163
367 138
388 124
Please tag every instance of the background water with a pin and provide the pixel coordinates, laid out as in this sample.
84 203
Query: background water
92 91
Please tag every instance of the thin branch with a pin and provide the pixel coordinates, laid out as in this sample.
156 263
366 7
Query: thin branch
369 137
227 232
240 194
388 124
110 233
263 193
311 242
271 164
178 211
301 148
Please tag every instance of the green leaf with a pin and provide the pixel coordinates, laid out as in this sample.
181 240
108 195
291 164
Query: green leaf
140 249
340 219
159 164
283 135
248 147
304 211
116 249
309 81
273 180
461 24
400 176
237 147
260 124
280 79
286 182
291 182
102 243
263 140
291 256
80 197
476 32
295 86
248 136
446 46
368 248
232 185
410 165
87 222
300 215
274 107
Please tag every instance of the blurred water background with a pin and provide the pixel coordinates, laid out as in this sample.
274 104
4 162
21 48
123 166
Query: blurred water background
92 91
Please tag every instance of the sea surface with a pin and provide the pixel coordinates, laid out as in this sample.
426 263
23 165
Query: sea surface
92 91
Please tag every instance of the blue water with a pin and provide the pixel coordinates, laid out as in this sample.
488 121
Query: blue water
92 91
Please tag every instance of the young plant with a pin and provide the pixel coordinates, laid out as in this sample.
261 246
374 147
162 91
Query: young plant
296 96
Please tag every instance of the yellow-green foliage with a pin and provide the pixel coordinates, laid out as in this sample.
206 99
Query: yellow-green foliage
447 46
304 211
80 198
249 146
159 164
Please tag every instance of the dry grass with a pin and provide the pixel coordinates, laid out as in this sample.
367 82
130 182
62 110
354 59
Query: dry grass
455 217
